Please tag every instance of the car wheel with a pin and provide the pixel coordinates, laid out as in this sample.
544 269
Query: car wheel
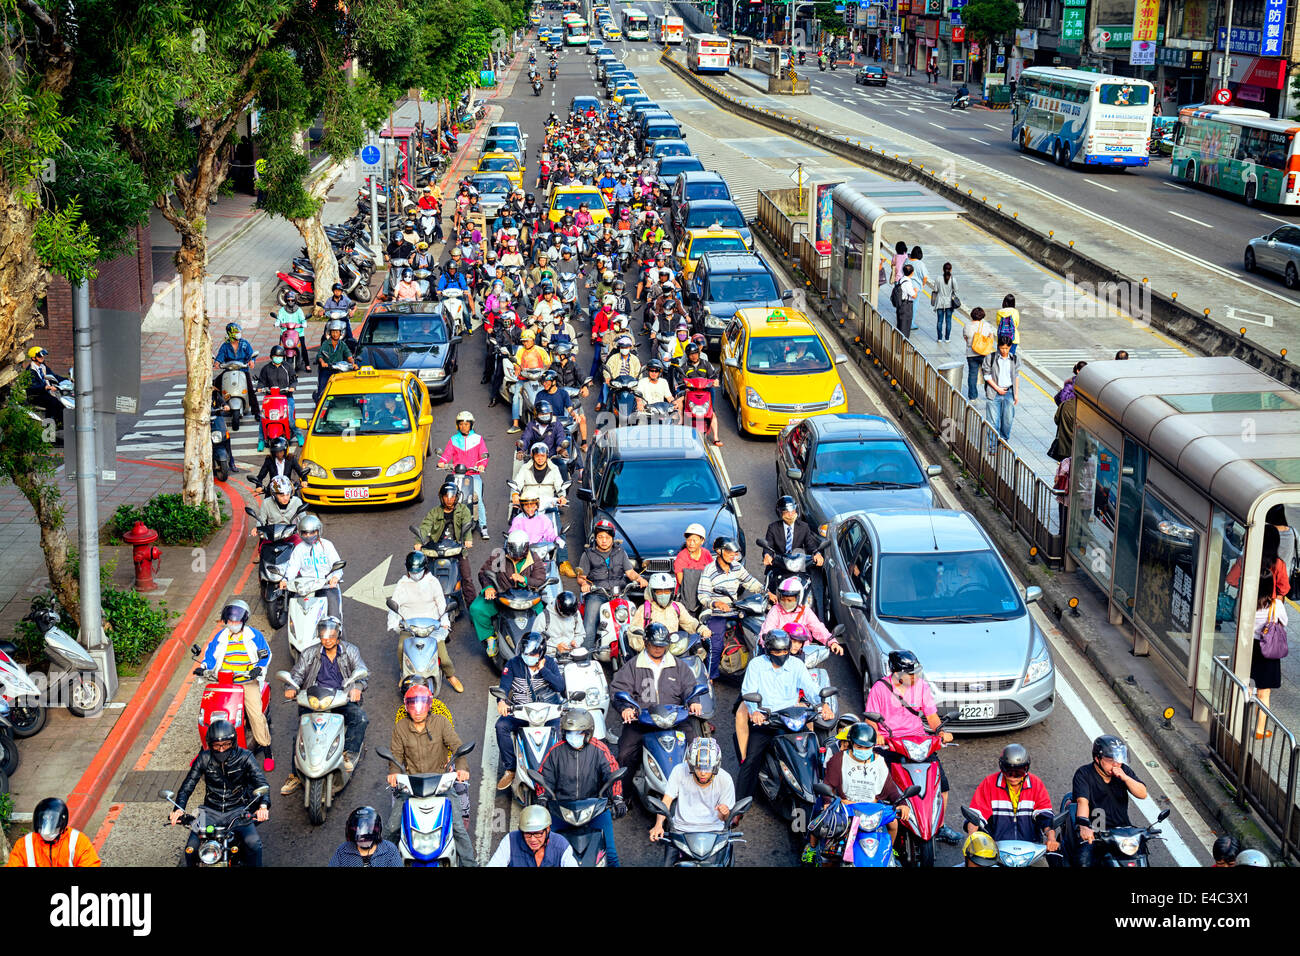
1249 259
1291 277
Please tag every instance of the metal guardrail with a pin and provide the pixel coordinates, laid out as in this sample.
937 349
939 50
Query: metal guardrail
1262 770
815 266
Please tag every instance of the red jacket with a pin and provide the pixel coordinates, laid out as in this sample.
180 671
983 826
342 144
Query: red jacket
600 322
993 803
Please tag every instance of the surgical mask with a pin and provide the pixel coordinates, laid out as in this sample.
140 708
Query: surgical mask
235 627
531 659
778 661
277 359
863 753
575 739
663 600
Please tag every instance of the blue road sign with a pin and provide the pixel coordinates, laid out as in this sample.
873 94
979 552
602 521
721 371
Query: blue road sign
370 155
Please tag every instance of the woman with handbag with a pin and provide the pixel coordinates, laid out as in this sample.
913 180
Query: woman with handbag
944 299
1269 646
981 338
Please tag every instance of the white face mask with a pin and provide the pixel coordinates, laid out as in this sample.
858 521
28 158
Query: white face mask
663 600
531 659
235 627
575 739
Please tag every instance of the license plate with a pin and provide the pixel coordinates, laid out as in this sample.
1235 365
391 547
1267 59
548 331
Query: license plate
977 711
356 494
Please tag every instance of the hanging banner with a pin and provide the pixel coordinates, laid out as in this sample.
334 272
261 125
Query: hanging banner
1274 18
1146 20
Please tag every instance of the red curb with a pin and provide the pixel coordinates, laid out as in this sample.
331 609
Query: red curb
85 797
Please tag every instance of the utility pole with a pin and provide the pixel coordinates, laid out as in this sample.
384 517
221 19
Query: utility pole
1225 68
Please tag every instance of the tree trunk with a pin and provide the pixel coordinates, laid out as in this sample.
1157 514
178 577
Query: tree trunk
22 281
191 265
46 502
312 230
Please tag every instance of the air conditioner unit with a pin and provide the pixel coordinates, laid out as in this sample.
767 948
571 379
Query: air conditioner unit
1045 23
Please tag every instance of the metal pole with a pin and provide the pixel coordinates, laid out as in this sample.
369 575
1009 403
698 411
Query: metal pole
375 243
1224 67
92 617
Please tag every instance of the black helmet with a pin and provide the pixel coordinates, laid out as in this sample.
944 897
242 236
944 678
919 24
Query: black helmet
904 662
218 731
729 544
416 563
658 635
534 642
1108 745
448 488
776 641
654 365
365 827
551 375
692 348
529 197
50 818
277 350
1014 757
545 414
860 734
279 444
578 721
786 503
1225 849
566 604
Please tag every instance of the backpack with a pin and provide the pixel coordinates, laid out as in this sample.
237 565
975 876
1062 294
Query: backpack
1007 326
896 296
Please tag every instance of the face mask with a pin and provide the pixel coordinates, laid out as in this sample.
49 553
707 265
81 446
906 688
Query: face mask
531 659
416 575
575 739
778 661
663 600
863 753
221 756
236 627
277 359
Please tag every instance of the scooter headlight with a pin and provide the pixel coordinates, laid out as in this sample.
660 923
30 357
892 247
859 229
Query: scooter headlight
1017 856
790 778
580 817
1129 845
426 844
217 438
917 750
209 852
621 614
870 821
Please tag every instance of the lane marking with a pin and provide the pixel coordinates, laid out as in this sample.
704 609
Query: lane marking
1181 189
1109 189
487 788
1036 162
991 126
1189 219
1285 222
978 140
937 126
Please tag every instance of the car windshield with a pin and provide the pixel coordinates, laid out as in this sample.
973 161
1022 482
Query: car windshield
787 355
574 200
672 149
870 464
723 218
499 163
663 131
377 413
702 244
491 185
673 165
502 146
505 130
648 484
744 287
707 191
424 329
956 585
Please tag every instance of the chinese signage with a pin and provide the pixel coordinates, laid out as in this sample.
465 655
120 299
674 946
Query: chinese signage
1171 56
1146 16
873 17
1072 21
1244 39
958 34
1274 18
1120 35
1142 53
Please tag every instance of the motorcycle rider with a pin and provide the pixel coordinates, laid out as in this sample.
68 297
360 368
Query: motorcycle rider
365 844
904 700
545 430
788 610
721 584
622 361
857 774
43 390
314 556
423 743
563 374
605 564
562 624
279 463
531 677
505 568
696 366
406 290
576 769
790 533
237 349
332 352
963 93
328 664
51 841
980 849
702 791
654 388
418 594
1101 790
452 520
661 606
653 677
528 356
281 506
240 648
230 775
779 679
467 447
539 472
538 527
533 844
1014 803
275 374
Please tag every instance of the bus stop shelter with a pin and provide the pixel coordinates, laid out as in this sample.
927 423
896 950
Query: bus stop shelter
860 211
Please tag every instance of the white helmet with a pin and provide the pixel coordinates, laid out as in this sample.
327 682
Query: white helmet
704 755
609 300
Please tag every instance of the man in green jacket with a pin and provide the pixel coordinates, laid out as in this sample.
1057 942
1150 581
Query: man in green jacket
452 520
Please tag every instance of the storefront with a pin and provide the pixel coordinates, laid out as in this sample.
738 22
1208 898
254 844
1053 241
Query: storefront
1256 81
1180 78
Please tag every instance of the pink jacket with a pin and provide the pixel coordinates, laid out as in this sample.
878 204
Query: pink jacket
778 618
468 450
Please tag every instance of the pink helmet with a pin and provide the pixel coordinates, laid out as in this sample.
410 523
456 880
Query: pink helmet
797 632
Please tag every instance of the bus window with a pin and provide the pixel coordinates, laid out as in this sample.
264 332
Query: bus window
1122 94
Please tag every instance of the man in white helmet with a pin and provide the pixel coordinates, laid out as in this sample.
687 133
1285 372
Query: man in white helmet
533 844
703 792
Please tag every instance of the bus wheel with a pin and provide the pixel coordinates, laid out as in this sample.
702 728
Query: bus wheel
1190 172
1250 194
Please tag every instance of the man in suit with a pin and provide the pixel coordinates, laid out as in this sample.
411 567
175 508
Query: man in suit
789 533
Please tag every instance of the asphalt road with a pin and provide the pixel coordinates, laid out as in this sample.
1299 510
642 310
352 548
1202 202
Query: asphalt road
376 538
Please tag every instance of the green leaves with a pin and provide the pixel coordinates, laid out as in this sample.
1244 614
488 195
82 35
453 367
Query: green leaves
990 19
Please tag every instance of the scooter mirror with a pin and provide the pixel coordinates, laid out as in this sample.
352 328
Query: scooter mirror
338 565
741 808
287 678
497 692
823 790
464 749
826 693
753 699
168 795
655 805
250 510
196 650
971 816
872 716
1164 815
909 793
261 791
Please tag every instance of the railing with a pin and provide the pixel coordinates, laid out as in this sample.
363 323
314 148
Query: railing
1262 770
780 226
815 266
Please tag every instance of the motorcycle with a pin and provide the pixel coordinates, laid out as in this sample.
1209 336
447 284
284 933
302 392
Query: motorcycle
551 71
531 741
960 103
234 390
219 844
864 842
537 87
1119 846
793 762
418 649
697 409
9 755
306 608
72 672
1020 853
615 620
318 750
428 815
706 848
276 543
919 766
803 57
514 619
222 463
274 403
444 558
797 564
453 303
663 747
27 714
622 398
295 351
585 686
587 841
744 628
300 286
223 699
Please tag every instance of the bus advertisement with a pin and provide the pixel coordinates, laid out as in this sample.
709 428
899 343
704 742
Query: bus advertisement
636 25
1075 116
669 30
1242 152
708 53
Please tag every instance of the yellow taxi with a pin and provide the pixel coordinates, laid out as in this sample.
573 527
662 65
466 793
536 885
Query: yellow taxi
506 163
699 241
777 368
613 34
569 198
367 439
624 90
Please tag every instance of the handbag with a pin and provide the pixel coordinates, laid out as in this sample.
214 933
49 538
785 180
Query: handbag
1272 639
984 339
1294 577
956 301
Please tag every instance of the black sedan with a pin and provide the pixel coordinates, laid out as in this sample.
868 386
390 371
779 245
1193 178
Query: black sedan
653 481
413 336
872 75
833 464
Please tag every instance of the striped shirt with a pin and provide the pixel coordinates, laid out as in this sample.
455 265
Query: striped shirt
237 658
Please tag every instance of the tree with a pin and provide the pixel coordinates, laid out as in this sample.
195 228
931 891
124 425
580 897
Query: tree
987 20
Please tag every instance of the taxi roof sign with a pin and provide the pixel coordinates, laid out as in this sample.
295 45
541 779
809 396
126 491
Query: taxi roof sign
775 316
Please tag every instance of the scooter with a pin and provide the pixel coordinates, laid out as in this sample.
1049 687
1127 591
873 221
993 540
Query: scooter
27 713
706 848
295 351
919 766
622 398
803 57
222 463
318 751
445 565
793 762
615 620
223 699
587 841
1020 853
306 608
858 834
960 103
585 686
219 846
275 413
276 543
514 619
663 747
531 741
234 390
9 755
428 816
537 87
72 672
744 628
453 303
1120 846
697 409
417 650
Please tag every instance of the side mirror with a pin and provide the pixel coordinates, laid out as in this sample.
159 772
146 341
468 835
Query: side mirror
823 790
970 816
196 650
787 295
1164 815
455 340
794 474
655 805
586 494
425 421
872 716
853 599
933 471
463 750
909 793
840 358
287 678
168 795
497 692
1032 594
300 423
826 693
737 491
250 511
261 791
762 543
753 699
338 565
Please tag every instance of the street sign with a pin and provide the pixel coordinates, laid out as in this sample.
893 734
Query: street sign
1222 97
370 155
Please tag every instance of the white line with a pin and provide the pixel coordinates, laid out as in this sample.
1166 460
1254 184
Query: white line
991 126
487 788
916 109
1181 189
1285 222
1189 218
1109 189
1036 162
977 140
935 125
901 112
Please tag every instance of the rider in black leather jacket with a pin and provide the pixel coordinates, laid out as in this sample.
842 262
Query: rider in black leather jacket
229 779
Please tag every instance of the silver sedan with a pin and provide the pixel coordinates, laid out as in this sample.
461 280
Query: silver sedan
1277 252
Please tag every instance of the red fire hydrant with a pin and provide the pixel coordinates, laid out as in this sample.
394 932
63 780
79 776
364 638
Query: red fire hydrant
145 555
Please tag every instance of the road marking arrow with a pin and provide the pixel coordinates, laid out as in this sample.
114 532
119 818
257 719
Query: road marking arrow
371 589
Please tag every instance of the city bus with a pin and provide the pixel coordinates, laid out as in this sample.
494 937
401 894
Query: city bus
1242 152
1075 116
708 53
575 30
636 25
669 30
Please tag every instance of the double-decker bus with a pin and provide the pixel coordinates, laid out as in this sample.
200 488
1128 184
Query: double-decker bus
636 25
1242 152
669 30
708 53
575 30
1079 117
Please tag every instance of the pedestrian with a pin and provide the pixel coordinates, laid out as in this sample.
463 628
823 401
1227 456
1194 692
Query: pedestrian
919 269
944 299
1067 390
1121 356
903 299
1288 547
1001 372
980 338
1008 321
900 257
1266 672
